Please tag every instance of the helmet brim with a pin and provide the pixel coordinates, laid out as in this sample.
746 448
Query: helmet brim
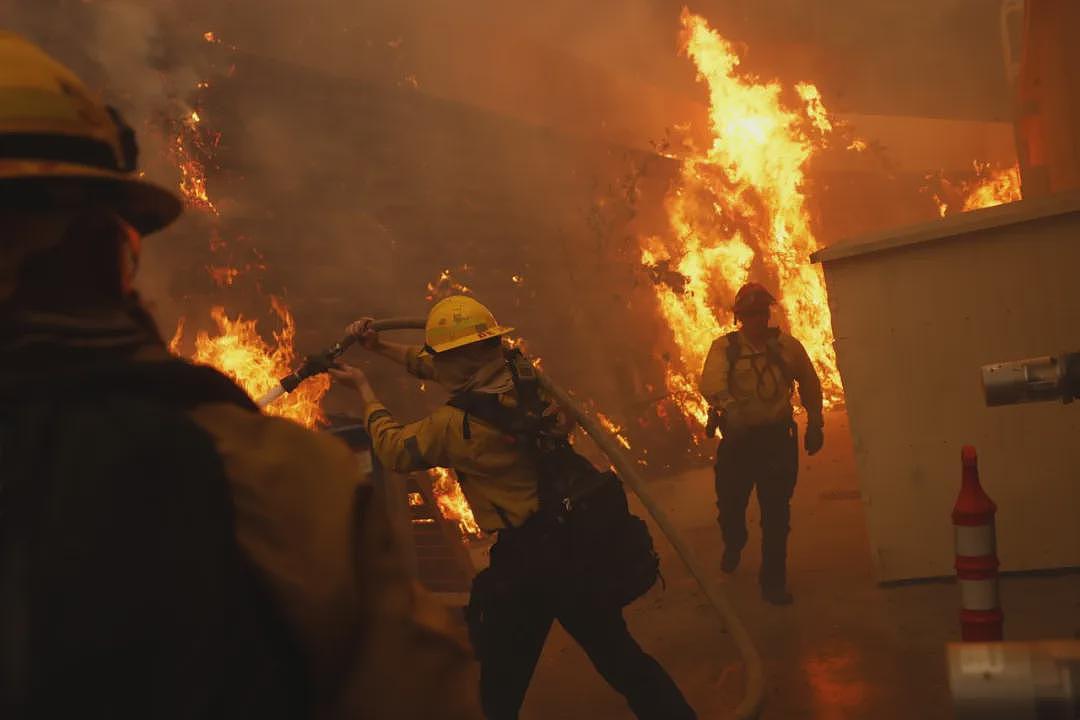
146 206
497 331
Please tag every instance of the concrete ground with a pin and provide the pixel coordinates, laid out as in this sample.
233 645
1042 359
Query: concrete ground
847 648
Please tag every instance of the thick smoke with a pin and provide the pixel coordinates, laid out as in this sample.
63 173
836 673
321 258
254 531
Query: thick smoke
364 146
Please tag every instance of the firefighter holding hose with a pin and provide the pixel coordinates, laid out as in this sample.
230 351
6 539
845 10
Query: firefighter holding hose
748 380
567 547
166 550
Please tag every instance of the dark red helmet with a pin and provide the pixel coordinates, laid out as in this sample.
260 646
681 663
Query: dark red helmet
752 296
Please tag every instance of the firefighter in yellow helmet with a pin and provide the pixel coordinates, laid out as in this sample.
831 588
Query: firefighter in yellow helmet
748 380
164 548
481 433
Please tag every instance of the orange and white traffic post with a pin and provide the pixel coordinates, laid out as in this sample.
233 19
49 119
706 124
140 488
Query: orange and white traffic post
981 619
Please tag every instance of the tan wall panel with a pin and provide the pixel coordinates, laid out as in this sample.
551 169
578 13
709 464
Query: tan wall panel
913 326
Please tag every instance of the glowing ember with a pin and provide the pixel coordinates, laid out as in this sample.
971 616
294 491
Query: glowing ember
993 187
415 499
737 209
613 428
237 349
446 286
223 276
241 353
188 143
451 501
987 187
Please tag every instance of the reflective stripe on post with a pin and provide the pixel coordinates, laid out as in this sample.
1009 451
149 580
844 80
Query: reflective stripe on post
981 619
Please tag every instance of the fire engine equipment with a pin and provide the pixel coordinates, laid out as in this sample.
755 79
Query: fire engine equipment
459 320
52 130
981 618
1032 380
1015 681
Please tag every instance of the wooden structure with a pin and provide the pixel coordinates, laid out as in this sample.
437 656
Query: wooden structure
433 548
916 313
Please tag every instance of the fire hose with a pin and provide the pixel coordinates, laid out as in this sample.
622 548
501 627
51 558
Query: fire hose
754 692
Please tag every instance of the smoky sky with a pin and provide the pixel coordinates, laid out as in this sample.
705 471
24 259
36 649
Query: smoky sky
366 145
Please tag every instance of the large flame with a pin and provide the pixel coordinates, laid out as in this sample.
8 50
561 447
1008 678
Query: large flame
240 352
452 503
237 349
737 210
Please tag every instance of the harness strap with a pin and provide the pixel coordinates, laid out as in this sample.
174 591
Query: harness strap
773 352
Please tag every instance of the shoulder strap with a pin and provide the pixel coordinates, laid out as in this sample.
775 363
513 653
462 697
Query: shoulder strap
484 406
773 351
733 352
527 418
734 349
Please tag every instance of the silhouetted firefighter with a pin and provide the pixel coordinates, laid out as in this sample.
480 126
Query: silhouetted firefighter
748 379
165 550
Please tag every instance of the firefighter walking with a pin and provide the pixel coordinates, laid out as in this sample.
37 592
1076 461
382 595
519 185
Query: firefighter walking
576 557
748 381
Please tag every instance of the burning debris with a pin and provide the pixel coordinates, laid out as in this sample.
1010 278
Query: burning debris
191 149
452 503
993 187
237 349
988 187
614 429
738 207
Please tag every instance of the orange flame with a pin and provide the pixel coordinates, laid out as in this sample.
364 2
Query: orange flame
614 429
738 209
987 187
237 349
192 173
993 187
452 503
241 353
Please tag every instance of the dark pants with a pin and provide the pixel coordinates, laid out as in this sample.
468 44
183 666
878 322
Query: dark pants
766 458
511 635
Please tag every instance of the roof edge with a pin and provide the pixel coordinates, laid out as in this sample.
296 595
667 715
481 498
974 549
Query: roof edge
952 226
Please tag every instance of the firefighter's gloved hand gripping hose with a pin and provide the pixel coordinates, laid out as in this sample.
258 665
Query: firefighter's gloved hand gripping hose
752 700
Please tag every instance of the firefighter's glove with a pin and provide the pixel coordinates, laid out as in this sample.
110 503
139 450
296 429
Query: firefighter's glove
815 438
364 332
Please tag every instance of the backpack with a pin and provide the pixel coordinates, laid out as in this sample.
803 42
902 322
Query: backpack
773 354
585 540
123 593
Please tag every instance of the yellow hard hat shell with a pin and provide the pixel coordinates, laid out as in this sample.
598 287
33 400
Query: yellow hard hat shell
52 130
459 320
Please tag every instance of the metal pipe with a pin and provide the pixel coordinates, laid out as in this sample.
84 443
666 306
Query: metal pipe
1015 681
1032 380
754 695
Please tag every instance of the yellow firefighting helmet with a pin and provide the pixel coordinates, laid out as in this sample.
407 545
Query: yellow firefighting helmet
457 321
53 131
